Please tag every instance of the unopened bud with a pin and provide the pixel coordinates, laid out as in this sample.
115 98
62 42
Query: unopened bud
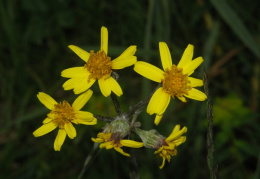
151 138
119 127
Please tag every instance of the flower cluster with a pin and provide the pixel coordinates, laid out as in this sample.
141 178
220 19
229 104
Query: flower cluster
174 81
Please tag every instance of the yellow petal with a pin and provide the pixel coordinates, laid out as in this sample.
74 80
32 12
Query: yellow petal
82 100
175 129
60 138
165 56
105 136
195 82
84 116
176 133
104 39
47 120
180 140
44 129
93 122
87 118
159 102
70 130
131 143
183 99
159 150
80 84
123 62
109 145
171 145
186 57
75 72
168 157
126 59
121 151
130 51
80 52
84 85
104 87
71 83
52 115
149 71
157 119
190 67
163 163
115 87
97 140
46 100
196 94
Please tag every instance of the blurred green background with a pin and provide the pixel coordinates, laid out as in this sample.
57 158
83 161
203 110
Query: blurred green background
34 36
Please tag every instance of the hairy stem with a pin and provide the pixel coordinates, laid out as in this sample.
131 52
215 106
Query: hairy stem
116 104
104 118
138 106
134 174
210 143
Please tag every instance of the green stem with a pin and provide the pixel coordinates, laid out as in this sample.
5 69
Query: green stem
116 104
210 142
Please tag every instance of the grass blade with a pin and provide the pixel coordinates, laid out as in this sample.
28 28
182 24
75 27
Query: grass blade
237 26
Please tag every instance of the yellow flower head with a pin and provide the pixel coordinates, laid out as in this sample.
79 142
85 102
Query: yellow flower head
169 145
99 67
175 80
113 140
62 115
112 137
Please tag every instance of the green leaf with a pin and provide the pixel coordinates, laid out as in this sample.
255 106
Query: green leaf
229 111
247 147
231 18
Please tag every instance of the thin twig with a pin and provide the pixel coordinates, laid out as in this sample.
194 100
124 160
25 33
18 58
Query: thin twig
210 144
116 104
138 106
132 125
104 118
134 174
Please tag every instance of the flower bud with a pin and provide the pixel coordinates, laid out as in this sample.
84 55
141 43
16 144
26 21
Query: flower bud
151 138
118 126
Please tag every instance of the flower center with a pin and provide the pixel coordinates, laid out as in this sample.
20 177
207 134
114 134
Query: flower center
63 113
175 83
167 153
111 137
116 138
99 65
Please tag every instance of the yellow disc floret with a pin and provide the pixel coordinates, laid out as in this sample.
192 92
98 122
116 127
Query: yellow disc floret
175 83
99 65
62 113
167 153
115 137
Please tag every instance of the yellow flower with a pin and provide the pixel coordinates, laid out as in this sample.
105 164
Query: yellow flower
113 140
62 115
174 79
98 67
168 147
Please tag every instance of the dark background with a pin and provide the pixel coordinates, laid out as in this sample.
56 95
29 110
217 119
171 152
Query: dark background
34 36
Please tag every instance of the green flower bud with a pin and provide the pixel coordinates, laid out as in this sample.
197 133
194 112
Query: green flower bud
151 138
119 126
